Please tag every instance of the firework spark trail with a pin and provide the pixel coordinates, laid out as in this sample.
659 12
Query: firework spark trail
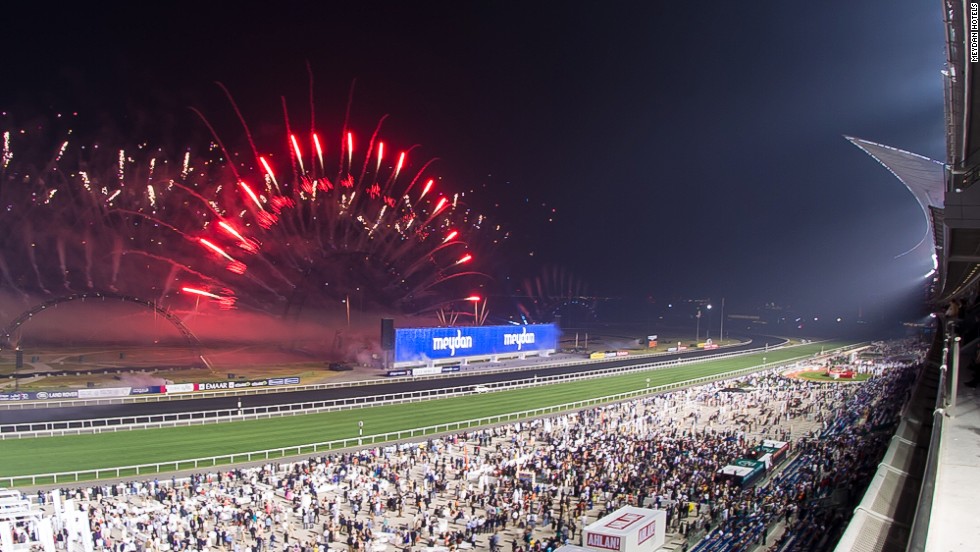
429 259
251 194
217 139
312 107
241 119
271 176
224 300
350 152
319 153
122 166
7 276
204 201
216 249
200 292
247 244
155 220
440 279
168 283
61 152
87 247
367 155
299 156
398 168
62 263
295 157
117 253
7 154
153 164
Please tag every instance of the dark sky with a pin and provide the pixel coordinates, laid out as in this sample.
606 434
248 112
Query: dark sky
689 148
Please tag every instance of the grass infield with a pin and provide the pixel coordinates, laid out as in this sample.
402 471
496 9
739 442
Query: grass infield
98 451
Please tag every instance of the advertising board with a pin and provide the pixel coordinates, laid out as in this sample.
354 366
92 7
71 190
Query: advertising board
778 450
743 471
420 345
628 529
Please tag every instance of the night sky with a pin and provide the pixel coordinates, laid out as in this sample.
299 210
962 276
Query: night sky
688 149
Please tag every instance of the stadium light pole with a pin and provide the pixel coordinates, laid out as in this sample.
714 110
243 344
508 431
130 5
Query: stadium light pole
697 332
707 331
18 362
721 332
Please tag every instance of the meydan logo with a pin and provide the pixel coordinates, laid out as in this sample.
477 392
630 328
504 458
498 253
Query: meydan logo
520 339
458 341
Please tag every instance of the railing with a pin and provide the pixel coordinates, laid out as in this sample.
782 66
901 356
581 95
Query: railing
919 531
381 438
149 421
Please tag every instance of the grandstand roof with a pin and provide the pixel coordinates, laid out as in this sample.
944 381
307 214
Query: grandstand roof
959 250
924 177
946 191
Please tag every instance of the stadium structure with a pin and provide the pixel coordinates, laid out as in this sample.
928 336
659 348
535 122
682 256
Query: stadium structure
922 497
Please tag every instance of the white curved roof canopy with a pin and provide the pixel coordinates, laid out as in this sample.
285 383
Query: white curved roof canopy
924 177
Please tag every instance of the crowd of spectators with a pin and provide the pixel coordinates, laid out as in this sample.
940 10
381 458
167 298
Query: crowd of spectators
533 485
831 468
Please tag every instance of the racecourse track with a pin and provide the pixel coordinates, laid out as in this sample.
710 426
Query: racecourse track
55 413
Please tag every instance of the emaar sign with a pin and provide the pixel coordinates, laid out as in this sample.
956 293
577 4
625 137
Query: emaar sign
420 345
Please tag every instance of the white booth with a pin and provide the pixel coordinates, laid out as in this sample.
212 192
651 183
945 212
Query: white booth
628 529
